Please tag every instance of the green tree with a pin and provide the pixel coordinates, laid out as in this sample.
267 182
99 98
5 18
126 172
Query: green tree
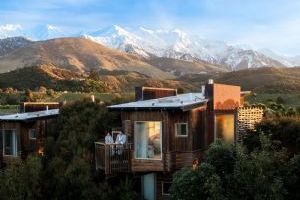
42 89
23 181
50 92
258 175
280 100
293 178
69 154
222 157
29 95
202 183
285 130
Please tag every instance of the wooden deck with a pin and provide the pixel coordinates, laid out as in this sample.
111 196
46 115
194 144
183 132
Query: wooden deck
113 158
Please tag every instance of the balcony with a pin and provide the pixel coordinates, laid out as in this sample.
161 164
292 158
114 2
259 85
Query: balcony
113 158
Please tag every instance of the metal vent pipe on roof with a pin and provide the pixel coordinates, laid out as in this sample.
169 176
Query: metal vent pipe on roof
203 89
93 98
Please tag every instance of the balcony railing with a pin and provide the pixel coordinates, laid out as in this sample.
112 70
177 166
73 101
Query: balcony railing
113 158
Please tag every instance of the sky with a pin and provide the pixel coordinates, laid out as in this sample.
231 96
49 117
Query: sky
272 24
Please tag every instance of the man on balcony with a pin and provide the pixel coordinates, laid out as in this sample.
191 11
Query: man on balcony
121 139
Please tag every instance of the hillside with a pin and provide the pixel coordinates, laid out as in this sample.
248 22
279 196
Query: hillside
78 55
104 81
180 67
262 80
265 80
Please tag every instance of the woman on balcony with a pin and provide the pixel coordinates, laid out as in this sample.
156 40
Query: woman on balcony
108 138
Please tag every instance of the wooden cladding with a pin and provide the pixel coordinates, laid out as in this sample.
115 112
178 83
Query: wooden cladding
176 151
25 144
127 126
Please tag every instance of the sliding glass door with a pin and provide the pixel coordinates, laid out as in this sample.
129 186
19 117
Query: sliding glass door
10 142
147 140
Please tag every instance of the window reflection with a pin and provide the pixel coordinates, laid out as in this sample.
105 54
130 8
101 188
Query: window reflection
225 127
148 140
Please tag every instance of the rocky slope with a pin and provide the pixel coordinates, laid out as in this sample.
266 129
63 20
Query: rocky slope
78 55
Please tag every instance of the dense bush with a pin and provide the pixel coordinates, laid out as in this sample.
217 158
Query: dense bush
22 182
235 173
284 131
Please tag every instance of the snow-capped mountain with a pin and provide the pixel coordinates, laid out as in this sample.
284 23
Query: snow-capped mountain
179 45
286 60
10 44
148 43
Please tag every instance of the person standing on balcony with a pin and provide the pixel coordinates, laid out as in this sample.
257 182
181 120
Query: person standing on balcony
121 139
108 138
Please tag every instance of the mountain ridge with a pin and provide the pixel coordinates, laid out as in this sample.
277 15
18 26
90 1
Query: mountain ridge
79 55
173 43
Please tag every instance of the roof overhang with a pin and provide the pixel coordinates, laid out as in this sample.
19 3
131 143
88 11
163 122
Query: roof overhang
31 116
160 108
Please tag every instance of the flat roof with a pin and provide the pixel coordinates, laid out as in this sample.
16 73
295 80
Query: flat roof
30 115
179 102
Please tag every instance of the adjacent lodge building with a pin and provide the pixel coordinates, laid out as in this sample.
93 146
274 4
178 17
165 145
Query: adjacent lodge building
167 131
23 133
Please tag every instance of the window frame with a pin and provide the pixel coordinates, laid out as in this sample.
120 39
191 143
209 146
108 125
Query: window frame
187 129
134 141
15 143
29 134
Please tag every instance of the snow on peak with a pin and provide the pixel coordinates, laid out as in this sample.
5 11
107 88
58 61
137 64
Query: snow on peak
175 43
10 30
171 43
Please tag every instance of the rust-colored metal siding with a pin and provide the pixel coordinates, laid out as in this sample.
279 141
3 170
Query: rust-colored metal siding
146 93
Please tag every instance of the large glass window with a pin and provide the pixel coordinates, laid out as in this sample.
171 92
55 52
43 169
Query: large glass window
148 140
225 127
10 142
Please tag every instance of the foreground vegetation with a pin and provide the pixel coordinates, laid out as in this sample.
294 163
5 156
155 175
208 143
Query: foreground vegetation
66 171
266 167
